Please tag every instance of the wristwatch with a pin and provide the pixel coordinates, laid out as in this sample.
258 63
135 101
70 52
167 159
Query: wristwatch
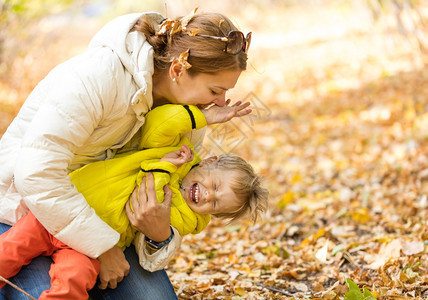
155 245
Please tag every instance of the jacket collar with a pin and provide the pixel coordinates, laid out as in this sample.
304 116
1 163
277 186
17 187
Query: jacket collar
135 54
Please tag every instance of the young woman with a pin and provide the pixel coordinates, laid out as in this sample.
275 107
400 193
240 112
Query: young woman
92 107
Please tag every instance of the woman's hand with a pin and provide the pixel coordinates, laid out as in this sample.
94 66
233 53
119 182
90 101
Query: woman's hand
113 267
220 114
149 216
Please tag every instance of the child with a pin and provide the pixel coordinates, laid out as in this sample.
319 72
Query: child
224 186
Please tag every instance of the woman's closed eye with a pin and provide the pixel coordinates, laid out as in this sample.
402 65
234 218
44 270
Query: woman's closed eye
214 93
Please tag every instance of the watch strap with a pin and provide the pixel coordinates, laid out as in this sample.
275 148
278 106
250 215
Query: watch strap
156 245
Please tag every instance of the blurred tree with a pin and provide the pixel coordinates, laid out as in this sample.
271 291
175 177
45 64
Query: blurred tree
30 9
409 21
16 16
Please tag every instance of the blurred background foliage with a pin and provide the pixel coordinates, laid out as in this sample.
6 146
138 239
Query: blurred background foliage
339 134
36 35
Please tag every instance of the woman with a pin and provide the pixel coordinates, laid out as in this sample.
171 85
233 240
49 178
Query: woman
91 107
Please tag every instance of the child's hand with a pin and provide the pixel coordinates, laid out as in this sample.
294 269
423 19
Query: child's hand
179 157
217 114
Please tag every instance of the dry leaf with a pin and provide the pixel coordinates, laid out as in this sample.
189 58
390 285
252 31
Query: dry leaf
182 59
322 254
186 19
386 252
191 32
413 247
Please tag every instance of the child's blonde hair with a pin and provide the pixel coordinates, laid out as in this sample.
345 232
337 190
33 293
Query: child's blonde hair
246 186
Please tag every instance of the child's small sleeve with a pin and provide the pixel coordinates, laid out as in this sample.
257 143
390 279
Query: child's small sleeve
166 124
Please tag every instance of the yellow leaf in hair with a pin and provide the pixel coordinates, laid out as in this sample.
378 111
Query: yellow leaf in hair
191 32
165 26
221 22
186 19
182 59
176 28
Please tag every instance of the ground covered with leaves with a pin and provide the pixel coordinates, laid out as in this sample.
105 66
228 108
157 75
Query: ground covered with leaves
339 133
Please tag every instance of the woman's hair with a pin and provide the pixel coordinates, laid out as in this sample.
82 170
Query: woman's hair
246 185
206 55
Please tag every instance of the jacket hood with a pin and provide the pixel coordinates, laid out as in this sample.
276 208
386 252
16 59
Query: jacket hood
135 53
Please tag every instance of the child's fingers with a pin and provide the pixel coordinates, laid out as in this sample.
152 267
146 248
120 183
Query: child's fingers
185 149
242 113
189 154
103 285
237 103
243 105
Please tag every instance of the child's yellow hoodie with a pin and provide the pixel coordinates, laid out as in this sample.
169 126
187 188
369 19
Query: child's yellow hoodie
107 185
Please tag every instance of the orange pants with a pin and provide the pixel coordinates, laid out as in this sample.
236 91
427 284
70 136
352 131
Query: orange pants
72 273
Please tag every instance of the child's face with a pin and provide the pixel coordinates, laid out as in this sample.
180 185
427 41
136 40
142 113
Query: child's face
208 189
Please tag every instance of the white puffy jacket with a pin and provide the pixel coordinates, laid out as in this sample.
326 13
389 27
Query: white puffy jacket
83 111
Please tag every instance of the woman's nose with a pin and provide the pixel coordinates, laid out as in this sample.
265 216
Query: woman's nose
221 100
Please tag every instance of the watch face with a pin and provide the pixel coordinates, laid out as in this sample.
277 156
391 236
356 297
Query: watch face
153 245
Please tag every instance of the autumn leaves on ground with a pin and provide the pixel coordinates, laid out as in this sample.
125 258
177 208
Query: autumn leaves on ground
339 132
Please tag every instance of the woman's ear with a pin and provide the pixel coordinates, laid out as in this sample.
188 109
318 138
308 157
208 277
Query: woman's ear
175 70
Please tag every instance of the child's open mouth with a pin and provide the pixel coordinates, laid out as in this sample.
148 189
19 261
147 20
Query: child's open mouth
194 193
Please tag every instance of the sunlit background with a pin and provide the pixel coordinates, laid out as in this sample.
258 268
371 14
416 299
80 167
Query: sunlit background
339 91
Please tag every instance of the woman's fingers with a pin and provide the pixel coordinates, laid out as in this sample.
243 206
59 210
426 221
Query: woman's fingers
142 195
151 191
129 212
131 204
137 199
167 195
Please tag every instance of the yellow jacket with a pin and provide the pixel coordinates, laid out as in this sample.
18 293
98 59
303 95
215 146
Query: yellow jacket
107 185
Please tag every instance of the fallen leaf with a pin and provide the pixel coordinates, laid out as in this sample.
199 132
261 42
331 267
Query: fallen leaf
386 252
412 247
